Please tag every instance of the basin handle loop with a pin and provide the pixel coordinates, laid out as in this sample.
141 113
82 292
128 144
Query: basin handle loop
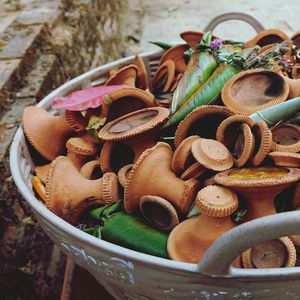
234 16
220 255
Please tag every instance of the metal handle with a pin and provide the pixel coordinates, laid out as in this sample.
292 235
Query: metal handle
234 16
218 258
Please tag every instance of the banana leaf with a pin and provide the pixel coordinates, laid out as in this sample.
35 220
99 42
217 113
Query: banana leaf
164 45
128 231
277 113
208 93
295 120
199 69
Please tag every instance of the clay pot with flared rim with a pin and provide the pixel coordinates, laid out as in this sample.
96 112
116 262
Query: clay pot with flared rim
164 77
296 39
266 37
286 138
212 154
152 175
253 90
68 193
114 156
123 174
159 212
193 171
125 101
126 75
176 54
46 133
259 186
235 133
183 157
142 81
138 129
262 142
296 197
76 120
285 159
202 121
277 253
190 239
294 87
79 150
91 170
192 38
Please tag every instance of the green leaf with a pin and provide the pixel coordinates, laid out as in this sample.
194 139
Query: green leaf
164 45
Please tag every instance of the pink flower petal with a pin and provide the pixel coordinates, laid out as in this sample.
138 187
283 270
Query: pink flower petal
90 97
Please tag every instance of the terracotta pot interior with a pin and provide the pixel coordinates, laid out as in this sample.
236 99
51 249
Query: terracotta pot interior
123 106
256 131
121 155
296 41
239 144
157 213
270 254
269 39
234 139
206 127
286 135
257 88
96 173
132 121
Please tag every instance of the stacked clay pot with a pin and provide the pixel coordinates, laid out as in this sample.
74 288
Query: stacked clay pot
234 152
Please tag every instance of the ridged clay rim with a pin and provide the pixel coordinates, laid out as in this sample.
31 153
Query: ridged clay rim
104 158
193 171
145 96
182 154
176 54
76 120
285 159
174 220
88 168
248 146
123 174
221 131
80 146
295 36
41 172
142 72
238 108
290 248
263 34
110 192
212 154
136 166
264 140
292 176
192 38
126 75
196 114
286 148
217 201
165 70
159 118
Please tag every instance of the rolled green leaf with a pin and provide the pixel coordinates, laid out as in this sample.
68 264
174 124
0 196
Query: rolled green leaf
199 69
208 93
125 230
295 120
276 113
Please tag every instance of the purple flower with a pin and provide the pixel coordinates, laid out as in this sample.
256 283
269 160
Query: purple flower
216 44
285 63
80 226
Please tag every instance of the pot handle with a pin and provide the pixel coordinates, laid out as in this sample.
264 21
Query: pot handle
234 16
219 256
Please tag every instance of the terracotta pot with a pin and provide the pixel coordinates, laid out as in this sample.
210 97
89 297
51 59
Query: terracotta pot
192 38
123 174
159 212
285 159
176 82
286 138
68 193
138 130
235 133
46 133
296 39
202 121
176 54
76 120
126 75
142 81
294 87
152 175
278 253
189 240
41 172
266 37
125 101
193 171
253 90
259 186
91 170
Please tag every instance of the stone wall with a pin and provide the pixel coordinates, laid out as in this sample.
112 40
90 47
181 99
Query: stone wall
44 44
